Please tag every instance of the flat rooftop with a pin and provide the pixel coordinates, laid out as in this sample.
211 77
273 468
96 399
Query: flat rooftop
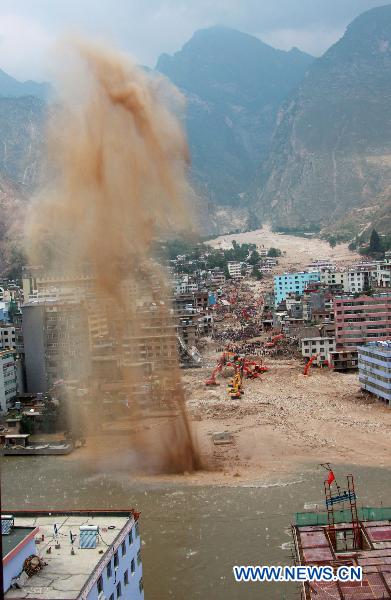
16 535
65 575
317 545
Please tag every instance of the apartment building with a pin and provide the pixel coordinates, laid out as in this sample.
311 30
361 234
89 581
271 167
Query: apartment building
320 346
332 278
8 380
288 283
84 555
235 269
383 271
56 342
358 280
374 366
7 337
362 319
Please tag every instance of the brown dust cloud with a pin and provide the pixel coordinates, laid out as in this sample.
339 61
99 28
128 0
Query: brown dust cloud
115 180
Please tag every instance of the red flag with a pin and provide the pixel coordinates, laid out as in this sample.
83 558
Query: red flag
331 477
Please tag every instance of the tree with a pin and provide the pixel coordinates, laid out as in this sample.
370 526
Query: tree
274 252
375 244
26 425
332 241
257 273
254 258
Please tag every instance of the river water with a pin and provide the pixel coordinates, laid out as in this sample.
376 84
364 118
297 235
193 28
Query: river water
192 536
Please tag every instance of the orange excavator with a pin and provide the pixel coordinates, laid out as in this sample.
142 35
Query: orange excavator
309 363
274 340
224 361
253 370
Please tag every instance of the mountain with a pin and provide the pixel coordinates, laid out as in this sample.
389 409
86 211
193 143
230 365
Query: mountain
330 160
12 88
234 85
21 138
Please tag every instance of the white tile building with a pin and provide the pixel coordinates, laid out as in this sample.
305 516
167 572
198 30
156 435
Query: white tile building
322 346
235 269
8 380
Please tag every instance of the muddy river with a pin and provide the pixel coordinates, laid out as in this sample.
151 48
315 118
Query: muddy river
192 536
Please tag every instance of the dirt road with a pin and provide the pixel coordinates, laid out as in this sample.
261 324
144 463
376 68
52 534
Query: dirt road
297 251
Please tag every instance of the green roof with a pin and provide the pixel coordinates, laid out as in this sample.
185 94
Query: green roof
365 513
16 535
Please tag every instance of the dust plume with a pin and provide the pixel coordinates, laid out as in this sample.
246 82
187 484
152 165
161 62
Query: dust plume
115 179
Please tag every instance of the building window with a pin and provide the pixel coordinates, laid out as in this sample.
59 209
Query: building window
126 577
123 548
139 557
116 559
119 590
111 597
130 537
137 529
99 584
141 585
108 570
132 566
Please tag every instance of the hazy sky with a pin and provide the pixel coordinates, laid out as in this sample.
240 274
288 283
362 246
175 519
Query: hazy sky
146 28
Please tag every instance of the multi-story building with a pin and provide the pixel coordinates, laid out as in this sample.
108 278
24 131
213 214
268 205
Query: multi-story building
332 278
383 271
362 319
7 337
56 342
343 360
288 283
80 555
319 346
359 279
235 269
8 380
374 366
321 264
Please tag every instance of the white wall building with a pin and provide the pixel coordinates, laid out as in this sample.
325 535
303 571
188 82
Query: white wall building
8 380
357 280
332 278
7 337
322 346
235 269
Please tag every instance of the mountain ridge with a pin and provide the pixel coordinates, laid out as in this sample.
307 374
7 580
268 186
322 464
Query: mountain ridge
330 156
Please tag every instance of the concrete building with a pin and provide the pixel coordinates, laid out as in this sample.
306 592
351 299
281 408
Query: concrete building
356 280
362 319
383 271
7 337
317 345
288 283
374 368
332 278
56 342
343 360
235 269
103 560
8 380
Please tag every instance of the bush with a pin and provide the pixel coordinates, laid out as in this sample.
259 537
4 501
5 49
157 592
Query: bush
274 252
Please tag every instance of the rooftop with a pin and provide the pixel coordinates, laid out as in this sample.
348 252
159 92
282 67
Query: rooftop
318 544
13 539
65 575
383 346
